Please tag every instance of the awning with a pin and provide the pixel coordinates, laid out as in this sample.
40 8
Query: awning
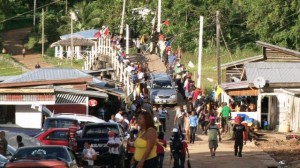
239 89
243 92
82 92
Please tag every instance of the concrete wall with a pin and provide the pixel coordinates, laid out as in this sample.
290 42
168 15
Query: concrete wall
27 117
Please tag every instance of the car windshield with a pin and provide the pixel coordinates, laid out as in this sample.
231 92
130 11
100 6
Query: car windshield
99 130
60 123
38 153
162 85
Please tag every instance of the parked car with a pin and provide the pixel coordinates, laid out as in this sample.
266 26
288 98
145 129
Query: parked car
54 136
162 89
97 135
43 156
66 120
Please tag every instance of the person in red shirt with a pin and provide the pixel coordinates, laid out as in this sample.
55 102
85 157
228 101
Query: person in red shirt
130 148
184 152
161 145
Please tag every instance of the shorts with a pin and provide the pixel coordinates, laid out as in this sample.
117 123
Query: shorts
225 121
212 144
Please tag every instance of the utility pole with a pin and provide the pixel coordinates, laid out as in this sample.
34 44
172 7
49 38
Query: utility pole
159 16
43 31
123 16
34 9
66 7
218 49
127 39
200 52
73 17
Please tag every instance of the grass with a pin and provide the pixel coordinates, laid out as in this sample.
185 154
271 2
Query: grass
8 69
209 62
64 63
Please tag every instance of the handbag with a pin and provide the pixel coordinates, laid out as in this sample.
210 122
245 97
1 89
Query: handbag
188 163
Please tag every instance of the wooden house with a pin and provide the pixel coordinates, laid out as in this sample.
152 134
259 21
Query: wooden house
270 84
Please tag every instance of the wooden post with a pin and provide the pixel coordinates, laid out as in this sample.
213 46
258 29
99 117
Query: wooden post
218 47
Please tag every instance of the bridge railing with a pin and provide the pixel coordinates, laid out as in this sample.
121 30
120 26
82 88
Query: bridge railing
105 48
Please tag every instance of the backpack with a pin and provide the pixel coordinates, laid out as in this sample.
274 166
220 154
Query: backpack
176 145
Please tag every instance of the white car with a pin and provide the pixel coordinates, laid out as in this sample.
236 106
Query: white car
80 117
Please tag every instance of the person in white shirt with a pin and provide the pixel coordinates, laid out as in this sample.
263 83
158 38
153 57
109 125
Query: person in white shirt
113 144
178 119
112 119
88 154
119 116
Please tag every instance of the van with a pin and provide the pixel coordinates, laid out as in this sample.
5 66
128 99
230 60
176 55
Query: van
66 120
162 89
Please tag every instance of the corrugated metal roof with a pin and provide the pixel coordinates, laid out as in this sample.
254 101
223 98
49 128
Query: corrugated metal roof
48 74
273 72
277 48
3 78
76 42
241 61
88 34
235 85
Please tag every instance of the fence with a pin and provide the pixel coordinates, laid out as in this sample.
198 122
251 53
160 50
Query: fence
104 48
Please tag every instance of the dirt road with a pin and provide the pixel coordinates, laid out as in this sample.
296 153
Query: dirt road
13 42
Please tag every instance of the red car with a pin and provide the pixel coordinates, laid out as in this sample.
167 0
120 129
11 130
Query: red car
47 156
54 136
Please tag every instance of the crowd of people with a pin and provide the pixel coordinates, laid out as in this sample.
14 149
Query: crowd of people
146 123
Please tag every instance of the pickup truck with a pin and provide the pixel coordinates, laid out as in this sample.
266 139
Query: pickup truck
97 135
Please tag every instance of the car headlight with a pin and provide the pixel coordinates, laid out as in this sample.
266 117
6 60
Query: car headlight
173 96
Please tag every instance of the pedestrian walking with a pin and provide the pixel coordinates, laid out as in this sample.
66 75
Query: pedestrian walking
163 116
161 146
178 119
19 141
193 126
213 136
184 153
226 116
176 147
23 51
3 143
240 134
186 125
113 149
88 155
145 155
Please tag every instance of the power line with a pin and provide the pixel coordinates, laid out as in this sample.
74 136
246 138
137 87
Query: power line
28 11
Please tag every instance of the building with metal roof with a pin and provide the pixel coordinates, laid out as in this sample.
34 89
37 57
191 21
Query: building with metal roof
271 83
87 34
60 90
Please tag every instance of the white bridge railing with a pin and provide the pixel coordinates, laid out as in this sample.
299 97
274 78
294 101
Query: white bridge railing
104 48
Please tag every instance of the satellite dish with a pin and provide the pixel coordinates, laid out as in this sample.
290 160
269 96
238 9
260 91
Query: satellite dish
259 82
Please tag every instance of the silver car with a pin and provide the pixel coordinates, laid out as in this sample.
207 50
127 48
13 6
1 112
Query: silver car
162 89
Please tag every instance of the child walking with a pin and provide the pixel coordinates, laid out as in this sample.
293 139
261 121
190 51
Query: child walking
213 136
240 134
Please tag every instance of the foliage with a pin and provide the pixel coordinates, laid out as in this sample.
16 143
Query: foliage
50 52
242 22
